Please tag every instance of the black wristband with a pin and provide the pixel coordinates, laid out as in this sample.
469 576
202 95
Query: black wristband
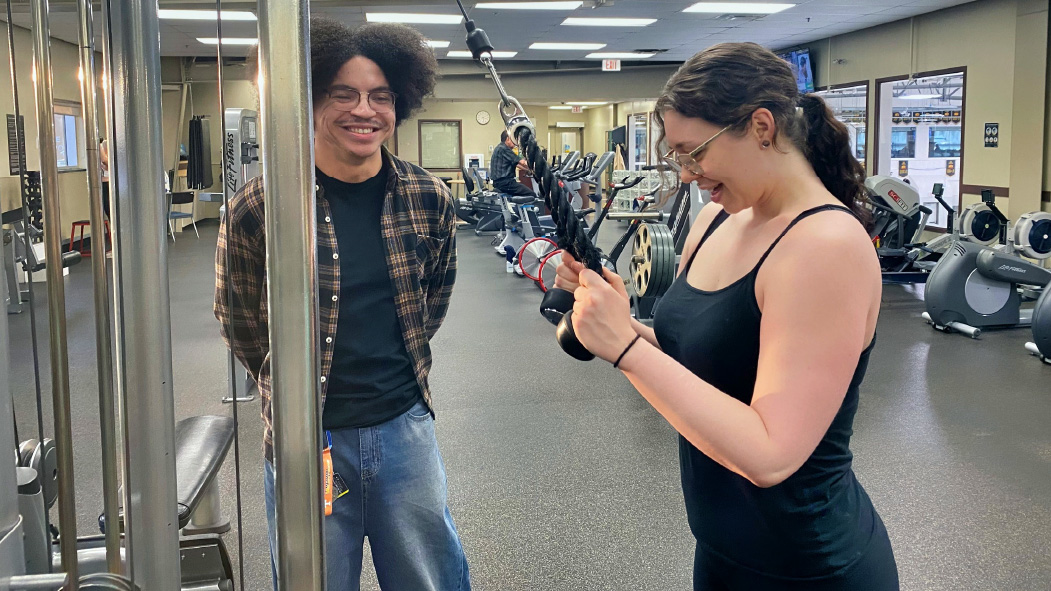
616 363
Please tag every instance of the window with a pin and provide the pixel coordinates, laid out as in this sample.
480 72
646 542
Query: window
920 134
69 135
441 144
944 142
638 140
903 142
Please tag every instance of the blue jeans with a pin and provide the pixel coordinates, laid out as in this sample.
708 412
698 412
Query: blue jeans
397 498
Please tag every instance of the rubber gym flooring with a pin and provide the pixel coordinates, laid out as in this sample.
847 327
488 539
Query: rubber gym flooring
561 477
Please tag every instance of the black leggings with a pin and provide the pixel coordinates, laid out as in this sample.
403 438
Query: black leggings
875 571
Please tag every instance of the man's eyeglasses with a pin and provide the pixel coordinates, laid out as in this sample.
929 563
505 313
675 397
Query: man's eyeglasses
347 99
689 161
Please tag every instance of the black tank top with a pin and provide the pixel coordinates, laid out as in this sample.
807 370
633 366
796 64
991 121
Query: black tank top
819 520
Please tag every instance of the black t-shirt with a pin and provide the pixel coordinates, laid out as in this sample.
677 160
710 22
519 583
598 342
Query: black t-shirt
372 378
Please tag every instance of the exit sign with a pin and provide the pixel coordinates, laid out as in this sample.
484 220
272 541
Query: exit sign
610 65
578 109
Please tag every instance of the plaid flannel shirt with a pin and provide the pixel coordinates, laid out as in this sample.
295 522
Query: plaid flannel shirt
419 228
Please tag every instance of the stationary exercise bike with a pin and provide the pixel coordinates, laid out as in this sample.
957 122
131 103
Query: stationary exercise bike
481 208
975 286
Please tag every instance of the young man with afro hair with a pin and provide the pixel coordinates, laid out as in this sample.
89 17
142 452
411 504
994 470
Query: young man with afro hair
386 262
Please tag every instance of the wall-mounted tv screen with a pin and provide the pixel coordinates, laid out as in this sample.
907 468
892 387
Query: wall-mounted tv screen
799 59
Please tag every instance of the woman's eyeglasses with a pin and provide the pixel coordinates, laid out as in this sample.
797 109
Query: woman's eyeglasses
689 161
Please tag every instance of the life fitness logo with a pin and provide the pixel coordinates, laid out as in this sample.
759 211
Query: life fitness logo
897 200
232 172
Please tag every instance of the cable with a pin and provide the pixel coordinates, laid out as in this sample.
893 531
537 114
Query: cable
460 4
229 295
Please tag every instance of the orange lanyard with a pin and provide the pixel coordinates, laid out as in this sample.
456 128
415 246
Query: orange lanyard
326 458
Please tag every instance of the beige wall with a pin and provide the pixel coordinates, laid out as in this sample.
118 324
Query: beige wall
543 82
1003 44
478 139
599 121
65 63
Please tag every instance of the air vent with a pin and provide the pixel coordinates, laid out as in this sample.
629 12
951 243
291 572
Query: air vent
650 50
739 17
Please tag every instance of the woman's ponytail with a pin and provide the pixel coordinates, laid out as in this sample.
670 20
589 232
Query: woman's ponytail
826 145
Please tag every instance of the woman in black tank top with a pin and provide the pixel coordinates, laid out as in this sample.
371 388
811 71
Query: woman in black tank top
758 350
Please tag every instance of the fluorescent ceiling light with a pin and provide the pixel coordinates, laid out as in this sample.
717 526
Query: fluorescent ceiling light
204 15
437 44
738 7
613 55
570 46
588 103
496 54
919 97
561 107
608 22
530 5
228 41
413 18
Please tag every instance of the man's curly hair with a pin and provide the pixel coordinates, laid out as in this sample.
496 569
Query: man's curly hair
401 53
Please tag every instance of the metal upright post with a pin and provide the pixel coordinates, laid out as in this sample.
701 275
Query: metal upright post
21 147
291 270
144 312
12 555
103 343
56 293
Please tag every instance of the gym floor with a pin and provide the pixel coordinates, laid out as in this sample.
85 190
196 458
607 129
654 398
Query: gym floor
562 477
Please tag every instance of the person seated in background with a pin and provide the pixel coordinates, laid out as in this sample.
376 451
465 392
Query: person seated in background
503 165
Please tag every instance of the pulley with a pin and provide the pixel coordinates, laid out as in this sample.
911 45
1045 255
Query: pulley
652 267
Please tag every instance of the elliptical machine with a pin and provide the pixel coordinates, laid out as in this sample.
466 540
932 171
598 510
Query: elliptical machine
1041 343
975 286
899 220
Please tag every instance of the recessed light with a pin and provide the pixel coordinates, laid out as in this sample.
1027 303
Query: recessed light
496 54
613 55
569 46
560 108
228 41
918 97
608 22
588 103
413 18
738 7
437 44
530 5
204 15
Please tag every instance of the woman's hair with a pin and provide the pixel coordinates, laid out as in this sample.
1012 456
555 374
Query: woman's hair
401 53
726 83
